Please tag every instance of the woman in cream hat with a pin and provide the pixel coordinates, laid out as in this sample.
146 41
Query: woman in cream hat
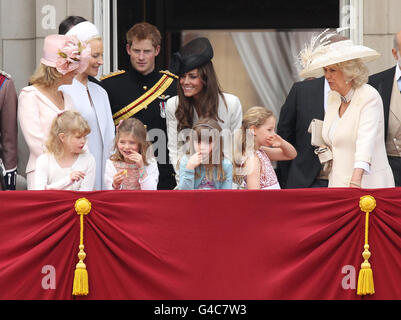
353 127
38 104
92 101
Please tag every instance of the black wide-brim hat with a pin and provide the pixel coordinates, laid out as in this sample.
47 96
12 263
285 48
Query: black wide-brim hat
193 55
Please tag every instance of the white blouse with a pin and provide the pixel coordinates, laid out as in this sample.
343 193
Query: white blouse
50 176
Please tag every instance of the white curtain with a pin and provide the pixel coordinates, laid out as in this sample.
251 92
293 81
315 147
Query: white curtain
270 58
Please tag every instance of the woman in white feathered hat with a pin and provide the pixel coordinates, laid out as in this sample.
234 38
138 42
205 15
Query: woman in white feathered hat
353 127
92 101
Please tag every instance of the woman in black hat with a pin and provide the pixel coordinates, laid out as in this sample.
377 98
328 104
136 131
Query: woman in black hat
199 96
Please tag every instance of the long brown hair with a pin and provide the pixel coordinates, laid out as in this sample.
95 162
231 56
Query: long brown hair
137 129
208 130
208 103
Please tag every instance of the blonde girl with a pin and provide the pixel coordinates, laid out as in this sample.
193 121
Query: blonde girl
255 146
204 167
132 166
66 165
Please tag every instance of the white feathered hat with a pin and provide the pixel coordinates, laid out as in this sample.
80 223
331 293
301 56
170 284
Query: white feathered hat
321 52
84 31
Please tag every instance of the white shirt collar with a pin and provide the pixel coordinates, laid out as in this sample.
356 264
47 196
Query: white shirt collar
397 72
326 92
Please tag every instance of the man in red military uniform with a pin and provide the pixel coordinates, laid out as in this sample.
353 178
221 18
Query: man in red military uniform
8 132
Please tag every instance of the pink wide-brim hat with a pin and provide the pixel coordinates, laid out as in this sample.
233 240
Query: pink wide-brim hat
55 44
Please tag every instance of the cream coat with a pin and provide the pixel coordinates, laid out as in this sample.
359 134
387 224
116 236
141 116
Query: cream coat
100 120
359 136
35 115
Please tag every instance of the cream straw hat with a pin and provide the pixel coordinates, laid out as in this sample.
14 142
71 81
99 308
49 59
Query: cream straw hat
321 53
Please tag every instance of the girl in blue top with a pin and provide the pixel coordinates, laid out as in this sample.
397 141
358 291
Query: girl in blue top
204 167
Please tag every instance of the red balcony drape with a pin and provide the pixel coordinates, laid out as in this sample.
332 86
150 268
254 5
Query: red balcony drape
273 244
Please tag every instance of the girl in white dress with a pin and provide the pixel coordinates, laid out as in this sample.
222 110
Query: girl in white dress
255 146
66 165
132 166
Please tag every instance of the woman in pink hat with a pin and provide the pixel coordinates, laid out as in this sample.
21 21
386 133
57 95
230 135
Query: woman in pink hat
38 104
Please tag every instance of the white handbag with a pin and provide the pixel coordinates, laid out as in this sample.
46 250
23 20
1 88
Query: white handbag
323 152
315 129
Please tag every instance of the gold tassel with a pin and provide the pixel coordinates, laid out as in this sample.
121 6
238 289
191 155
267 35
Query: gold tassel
81 284
365 279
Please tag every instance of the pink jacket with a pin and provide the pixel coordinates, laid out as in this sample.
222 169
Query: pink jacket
35 115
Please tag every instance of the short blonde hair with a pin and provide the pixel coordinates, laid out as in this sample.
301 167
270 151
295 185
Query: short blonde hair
45 75
94 38
355 71
255 116
70 123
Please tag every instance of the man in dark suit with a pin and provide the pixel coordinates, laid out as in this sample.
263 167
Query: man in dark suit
305 102
388 84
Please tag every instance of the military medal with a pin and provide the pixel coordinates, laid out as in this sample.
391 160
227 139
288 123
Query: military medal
162 105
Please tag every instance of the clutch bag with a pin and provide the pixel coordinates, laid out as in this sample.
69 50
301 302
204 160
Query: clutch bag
315 129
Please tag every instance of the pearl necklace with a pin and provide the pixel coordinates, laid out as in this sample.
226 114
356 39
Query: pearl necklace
347 98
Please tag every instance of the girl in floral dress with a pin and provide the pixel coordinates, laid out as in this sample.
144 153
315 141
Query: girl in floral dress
132 166
255 146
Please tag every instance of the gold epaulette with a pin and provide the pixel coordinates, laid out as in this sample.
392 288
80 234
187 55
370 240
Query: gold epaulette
112 74
166 72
